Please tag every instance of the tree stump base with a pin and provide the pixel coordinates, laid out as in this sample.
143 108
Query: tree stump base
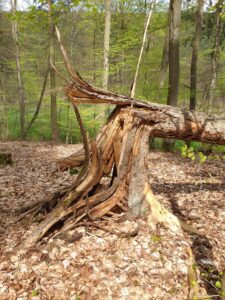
120 152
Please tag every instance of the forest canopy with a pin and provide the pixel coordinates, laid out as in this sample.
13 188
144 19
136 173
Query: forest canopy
82 24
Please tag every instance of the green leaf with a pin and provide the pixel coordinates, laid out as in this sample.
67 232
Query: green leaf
35 293
156 238
193 283
218 284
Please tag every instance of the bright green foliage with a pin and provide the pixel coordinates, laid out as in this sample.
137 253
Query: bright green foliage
82 28
202 157
193 283
187 152
35 293
218 284
193 153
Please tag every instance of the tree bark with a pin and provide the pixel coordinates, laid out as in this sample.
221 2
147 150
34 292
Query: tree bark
215 53
18 66
195 50
106 44
174 52
164 62
134 83
54 117
174 59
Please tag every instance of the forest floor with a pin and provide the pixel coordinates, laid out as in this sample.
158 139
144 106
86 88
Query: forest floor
151 265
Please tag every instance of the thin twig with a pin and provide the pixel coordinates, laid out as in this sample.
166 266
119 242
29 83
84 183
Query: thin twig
86 145
94 235
27 213
58 73
209 282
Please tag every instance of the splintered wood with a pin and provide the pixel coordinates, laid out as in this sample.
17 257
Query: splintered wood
120 151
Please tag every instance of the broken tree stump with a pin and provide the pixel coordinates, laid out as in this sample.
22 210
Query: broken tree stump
120 151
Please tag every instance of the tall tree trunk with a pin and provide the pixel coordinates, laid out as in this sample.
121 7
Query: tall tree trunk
54 117
106 44
174 51
164 61
19 75
195 49
174 58
215 53
133 87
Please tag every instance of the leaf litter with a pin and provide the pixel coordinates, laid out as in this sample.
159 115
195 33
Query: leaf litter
100 265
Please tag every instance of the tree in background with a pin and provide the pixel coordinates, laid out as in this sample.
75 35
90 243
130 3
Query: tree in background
54 121
18 66
164 61
83 30
215 52
174 51
195 50
134 83
106 44
174 58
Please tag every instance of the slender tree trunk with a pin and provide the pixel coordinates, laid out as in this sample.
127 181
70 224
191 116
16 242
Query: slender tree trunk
174 52
164 62
26 131
133 87
195 50
19 75
174 59
106 44
215 53
94 54
3 121
54 118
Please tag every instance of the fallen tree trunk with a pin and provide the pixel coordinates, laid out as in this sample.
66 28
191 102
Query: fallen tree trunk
168 122
120 151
